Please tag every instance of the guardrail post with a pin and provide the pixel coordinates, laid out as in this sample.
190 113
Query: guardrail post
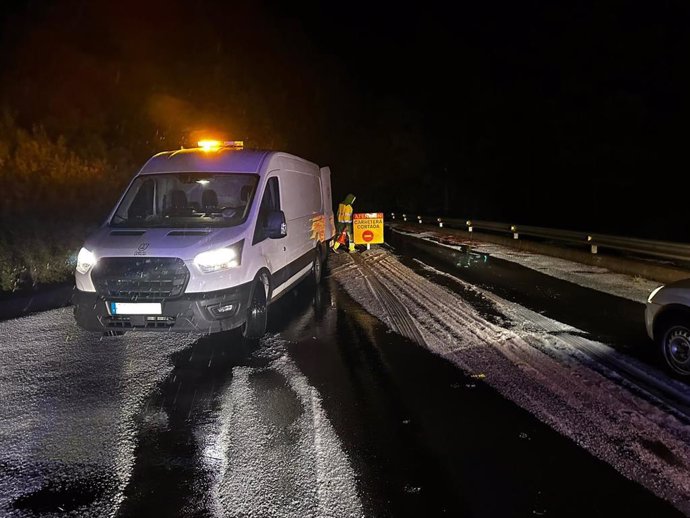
469 225
593 247
419 219
392 215
440 222
404 217
513 229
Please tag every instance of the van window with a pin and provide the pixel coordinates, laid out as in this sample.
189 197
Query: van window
142 205
271 199
269 202
183 200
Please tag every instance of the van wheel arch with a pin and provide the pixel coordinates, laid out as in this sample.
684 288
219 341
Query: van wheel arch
266 274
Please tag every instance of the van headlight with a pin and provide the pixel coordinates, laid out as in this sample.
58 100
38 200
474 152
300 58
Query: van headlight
220 258
85 260
653 293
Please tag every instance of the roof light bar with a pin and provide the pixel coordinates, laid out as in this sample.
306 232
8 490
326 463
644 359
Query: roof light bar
214 145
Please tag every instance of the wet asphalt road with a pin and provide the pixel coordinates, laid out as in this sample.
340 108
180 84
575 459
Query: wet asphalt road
422 438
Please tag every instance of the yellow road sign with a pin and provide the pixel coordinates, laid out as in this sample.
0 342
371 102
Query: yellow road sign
368 228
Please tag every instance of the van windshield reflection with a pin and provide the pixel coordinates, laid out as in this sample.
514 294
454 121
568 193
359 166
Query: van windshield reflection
184 200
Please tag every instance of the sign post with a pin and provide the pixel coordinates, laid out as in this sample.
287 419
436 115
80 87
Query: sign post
368 228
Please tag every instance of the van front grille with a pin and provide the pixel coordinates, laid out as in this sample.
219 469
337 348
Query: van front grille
140 278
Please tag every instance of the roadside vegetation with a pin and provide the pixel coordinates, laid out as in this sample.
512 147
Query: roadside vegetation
53 194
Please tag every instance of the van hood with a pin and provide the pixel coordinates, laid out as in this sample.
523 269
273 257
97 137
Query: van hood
161 242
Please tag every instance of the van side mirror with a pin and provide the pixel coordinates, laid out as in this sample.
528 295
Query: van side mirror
276 226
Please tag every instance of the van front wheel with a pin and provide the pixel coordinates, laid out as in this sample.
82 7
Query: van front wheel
257 312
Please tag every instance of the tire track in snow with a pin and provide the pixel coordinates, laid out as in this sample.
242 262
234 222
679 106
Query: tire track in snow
653 384
400 320
274 453
639 439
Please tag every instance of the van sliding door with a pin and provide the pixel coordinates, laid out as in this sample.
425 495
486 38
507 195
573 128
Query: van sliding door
302 204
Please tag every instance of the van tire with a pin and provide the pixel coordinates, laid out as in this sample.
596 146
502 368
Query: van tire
325 250
257 311
317 265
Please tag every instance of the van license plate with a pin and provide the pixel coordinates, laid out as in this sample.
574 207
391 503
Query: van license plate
135 308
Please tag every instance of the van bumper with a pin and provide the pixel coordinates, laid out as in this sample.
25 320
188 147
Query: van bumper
192 312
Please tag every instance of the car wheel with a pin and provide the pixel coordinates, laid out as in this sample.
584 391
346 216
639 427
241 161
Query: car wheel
675 345
317 266
257 312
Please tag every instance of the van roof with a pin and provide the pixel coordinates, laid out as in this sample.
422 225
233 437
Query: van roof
198 160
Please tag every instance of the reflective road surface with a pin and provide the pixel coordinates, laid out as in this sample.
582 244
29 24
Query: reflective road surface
330 414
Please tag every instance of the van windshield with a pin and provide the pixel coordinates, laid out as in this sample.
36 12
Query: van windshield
184 200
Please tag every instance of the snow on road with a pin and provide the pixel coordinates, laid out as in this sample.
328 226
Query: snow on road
272 451
70 406
536 364
594 277
68 400
572 342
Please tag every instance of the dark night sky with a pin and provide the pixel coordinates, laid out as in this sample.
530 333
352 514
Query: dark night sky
550 113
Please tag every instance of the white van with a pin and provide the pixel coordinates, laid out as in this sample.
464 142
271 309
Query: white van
204 239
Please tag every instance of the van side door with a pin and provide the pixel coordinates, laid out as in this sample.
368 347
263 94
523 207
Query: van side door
303 210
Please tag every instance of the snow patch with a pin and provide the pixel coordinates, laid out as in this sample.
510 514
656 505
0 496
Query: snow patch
543 366
273 452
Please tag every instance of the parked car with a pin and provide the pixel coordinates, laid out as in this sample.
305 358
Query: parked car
667 318
204 239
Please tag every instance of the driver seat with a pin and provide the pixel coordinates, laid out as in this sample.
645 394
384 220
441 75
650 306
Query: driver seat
209 199
178 199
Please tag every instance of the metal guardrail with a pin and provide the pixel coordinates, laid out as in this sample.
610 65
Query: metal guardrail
660 249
